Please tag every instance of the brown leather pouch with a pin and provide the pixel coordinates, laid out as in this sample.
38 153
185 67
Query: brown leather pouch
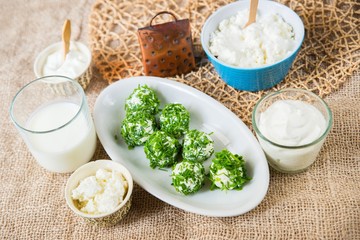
167 48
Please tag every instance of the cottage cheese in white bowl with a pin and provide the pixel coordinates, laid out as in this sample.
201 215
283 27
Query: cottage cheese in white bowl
100 192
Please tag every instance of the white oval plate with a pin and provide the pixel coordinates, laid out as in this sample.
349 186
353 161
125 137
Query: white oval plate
206 114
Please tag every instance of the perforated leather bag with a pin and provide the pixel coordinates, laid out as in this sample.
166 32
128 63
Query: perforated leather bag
167 48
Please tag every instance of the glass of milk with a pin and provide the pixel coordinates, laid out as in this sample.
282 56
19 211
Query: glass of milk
52 115
291 126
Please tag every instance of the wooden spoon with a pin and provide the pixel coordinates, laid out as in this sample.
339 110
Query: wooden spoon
66 33
252 14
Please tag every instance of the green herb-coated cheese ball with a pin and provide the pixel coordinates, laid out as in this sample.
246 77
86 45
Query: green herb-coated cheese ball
174 119
197 146
137 127
142 99
188 177
162 150
227 171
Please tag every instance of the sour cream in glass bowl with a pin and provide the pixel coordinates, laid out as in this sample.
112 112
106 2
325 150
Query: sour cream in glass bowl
291 126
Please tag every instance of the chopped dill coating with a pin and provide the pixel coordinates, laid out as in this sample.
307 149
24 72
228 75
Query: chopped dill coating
162 150
188 177
197 146
174 119
227 171
142 99
137 127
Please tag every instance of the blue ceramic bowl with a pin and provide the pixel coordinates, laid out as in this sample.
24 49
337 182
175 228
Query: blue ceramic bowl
253 79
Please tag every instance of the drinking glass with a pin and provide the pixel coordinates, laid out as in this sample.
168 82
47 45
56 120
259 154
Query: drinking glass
52 116
290 158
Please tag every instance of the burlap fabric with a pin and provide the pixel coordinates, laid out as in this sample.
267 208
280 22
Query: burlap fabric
321 203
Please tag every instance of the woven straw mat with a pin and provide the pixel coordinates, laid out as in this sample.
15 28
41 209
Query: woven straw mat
329 54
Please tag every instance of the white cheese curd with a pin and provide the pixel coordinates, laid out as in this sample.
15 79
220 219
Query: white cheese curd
134 100
100 193
291 123
137 96
87 189
72 66
190 176
268 40
222 178
209 148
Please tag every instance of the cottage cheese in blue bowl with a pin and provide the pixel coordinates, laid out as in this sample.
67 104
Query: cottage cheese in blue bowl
259 56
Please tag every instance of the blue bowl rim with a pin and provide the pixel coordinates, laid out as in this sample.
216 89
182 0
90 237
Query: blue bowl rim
210 55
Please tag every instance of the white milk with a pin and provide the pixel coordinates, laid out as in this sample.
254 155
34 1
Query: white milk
291 123
65 149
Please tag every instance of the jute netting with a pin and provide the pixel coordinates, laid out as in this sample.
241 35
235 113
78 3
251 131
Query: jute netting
329 54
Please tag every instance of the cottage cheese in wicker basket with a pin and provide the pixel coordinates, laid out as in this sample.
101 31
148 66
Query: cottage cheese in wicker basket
267 41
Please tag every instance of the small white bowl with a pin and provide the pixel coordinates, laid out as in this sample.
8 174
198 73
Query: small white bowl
89 169
83 77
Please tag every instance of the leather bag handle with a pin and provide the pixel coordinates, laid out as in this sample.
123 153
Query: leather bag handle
163 12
